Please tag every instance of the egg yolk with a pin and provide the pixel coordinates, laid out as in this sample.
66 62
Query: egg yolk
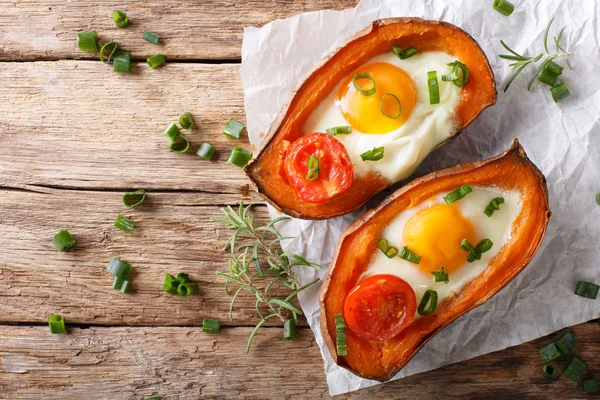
435 234
366 113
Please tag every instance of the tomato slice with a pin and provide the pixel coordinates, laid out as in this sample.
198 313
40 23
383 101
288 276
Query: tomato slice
335 167
380 307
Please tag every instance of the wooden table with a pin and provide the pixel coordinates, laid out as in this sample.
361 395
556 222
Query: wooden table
74 136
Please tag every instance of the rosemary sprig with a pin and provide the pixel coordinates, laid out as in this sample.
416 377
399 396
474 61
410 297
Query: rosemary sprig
521 61
259 266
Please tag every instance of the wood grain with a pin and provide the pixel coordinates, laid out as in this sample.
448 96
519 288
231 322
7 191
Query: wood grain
201 29
178 363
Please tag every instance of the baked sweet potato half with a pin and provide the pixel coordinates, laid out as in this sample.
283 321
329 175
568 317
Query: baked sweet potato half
268 170
380 357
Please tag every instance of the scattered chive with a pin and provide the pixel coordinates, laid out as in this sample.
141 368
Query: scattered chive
123 223
399 108
172 132
375 154
63 240
133 199
187 288
120 284
239 157
181 144
587 289
156 61
233 128
493 206
104 46
364 75
389 251
183 277
88 41
339 130
468 247
170 284
589 385
313 168
206 151
121 19
504 7
484 245
57 324
122 62
186 120
340 335
404 54
440 276
459 75
151 37
409 255
549 371
119 268
430 297
457 194
575 369
550 352
566 343
434 88
476 251
560 92
289 329
210 325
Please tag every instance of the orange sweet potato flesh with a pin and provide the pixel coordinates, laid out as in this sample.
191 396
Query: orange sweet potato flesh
381 360
266 171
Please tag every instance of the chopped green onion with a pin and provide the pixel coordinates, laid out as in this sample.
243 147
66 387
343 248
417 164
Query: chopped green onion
504 7
484 245
88 41
598 199
156 61
187 288
210 325
153 398
468 247
151 37
339 130
589 385
239 157
206 151
186 120
133 199
104 46
554 68
550 352
121 19
313 168
57 324
183 277
289 329
440 276
340 335
493 206
375 154
430 297
123 223
172 132
457 194
549 371
404 54
560 92
548 77
170 284
475 252
398 107
434 88
63 240
233 128
122 62
459 75
181 144
119 268
121 284
566 343
389 251
364 75
587 289
575 369
409 255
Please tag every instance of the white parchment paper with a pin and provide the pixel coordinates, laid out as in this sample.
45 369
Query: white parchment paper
563 140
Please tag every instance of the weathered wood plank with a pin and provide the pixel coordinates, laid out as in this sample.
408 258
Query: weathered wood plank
127 363
207 29
174 232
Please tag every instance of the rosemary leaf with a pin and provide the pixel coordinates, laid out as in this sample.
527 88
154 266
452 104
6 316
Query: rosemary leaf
546 35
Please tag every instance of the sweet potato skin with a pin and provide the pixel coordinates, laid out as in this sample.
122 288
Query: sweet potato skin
382 360
266 170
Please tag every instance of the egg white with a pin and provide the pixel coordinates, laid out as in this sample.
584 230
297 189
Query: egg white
428 126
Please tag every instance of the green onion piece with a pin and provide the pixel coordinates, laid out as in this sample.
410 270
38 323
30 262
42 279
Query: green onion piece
206 151
121 19
389 251
549 371
170 284
566 343
395 115
187 288
459 75
364 75
181 144
183 277
313 168
375 154
119 268
153 398
63 240
550 352
104 46
122 62
156 61
548 77
172 132
151 37
404 54
239 157
493 206
434 88
457 194
409 255
289 329
186 121
57 324
133 199
560 92
554 68
233 128
468 247
587 289
575 369
589 385
88 41
210 325
440 276
504 7
598 199
339 130
484 245
121 284
340 335
449 77
123 223
430 297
